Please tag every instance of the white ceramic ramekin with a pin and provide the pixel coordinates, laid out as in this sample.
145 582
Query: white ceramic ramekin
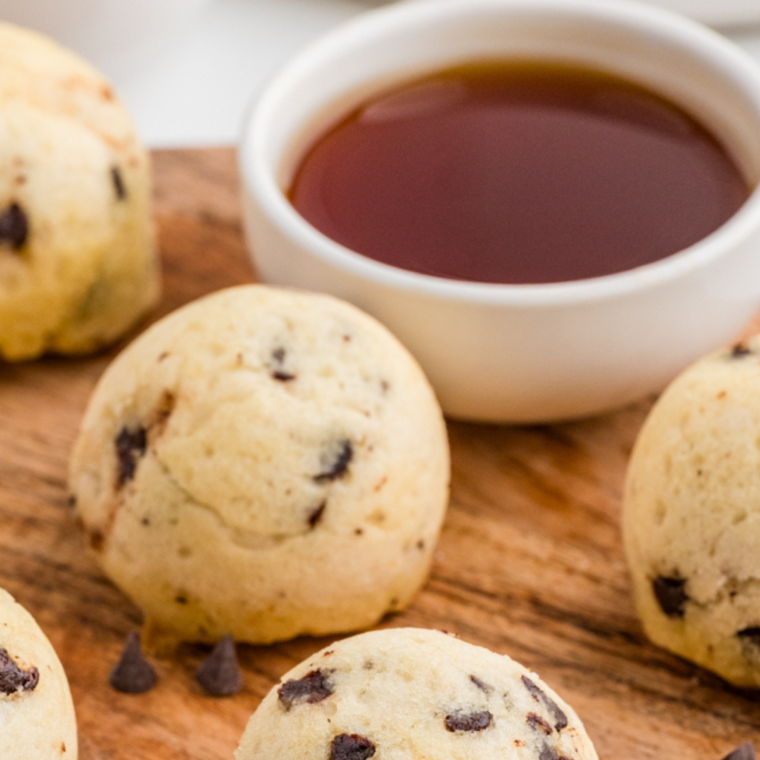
519 353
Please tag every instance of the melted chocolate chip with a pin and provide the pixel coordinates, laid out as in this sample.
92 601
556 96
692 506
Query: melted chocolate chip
316 515
481 684
351 747
130 446
750 635
560 719
337 466
219 674
313 687
671 595
14 227
13 679
537 722
133 674
549 753
278 371
742 752
477 721
739 350
118 183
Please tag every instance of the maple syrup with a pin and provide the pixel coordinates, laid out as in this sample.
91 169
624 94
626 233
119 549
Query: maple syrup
517 172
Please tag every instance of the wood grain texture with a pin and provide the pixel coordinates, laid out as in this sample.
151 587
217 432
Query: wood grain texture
530 561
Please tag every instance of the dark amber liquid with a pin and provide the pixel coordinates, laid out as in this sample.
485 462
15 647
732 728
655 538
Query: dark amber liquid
517 173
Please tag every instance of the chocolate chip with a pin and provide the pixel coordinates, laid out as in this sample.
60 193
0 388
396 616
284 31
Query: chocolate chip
14 227
278 370
130 446
459 721
671 595
742 752
316 515
13 679
219 674
560 719
739 350
118 183
549 753
481 684
133 674
537 722
351 747
337 465
750 635
313 687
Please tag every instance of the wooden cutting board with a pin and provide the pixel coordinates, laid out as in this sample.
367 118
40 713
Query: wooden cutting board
530 561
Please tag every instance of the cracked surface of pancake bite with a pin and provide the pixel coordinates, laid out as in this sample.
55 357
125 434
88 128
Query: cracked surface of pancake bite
406 694
691 515
262 463
36 711
78 264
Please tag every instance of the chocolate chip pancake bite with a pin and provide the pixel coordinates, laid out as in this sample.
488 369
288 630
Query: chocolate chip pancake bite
691 515
262 463
410 693
78 263
36 711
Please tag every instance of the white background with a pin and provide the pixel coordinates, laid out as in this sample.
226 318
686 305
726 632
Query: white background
195 90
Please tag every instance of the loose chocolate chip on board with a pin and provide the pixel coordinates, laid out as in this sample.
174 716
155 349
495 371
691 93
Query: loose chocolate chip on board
670 594
537 722
14 227
351 747
337 466
130 446
133 674
738 350
13 679
560 719
742 752
477 721
219 674
118 183
313 687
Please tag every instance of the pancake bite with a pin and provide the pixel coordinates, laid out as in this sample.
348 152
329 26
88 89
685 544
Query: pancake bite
262 463
36 711
409 693
691 515
78 263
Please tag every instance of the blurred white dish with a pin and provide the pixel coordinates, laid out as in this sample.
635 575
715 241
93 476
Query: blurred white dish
116 36
715 12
